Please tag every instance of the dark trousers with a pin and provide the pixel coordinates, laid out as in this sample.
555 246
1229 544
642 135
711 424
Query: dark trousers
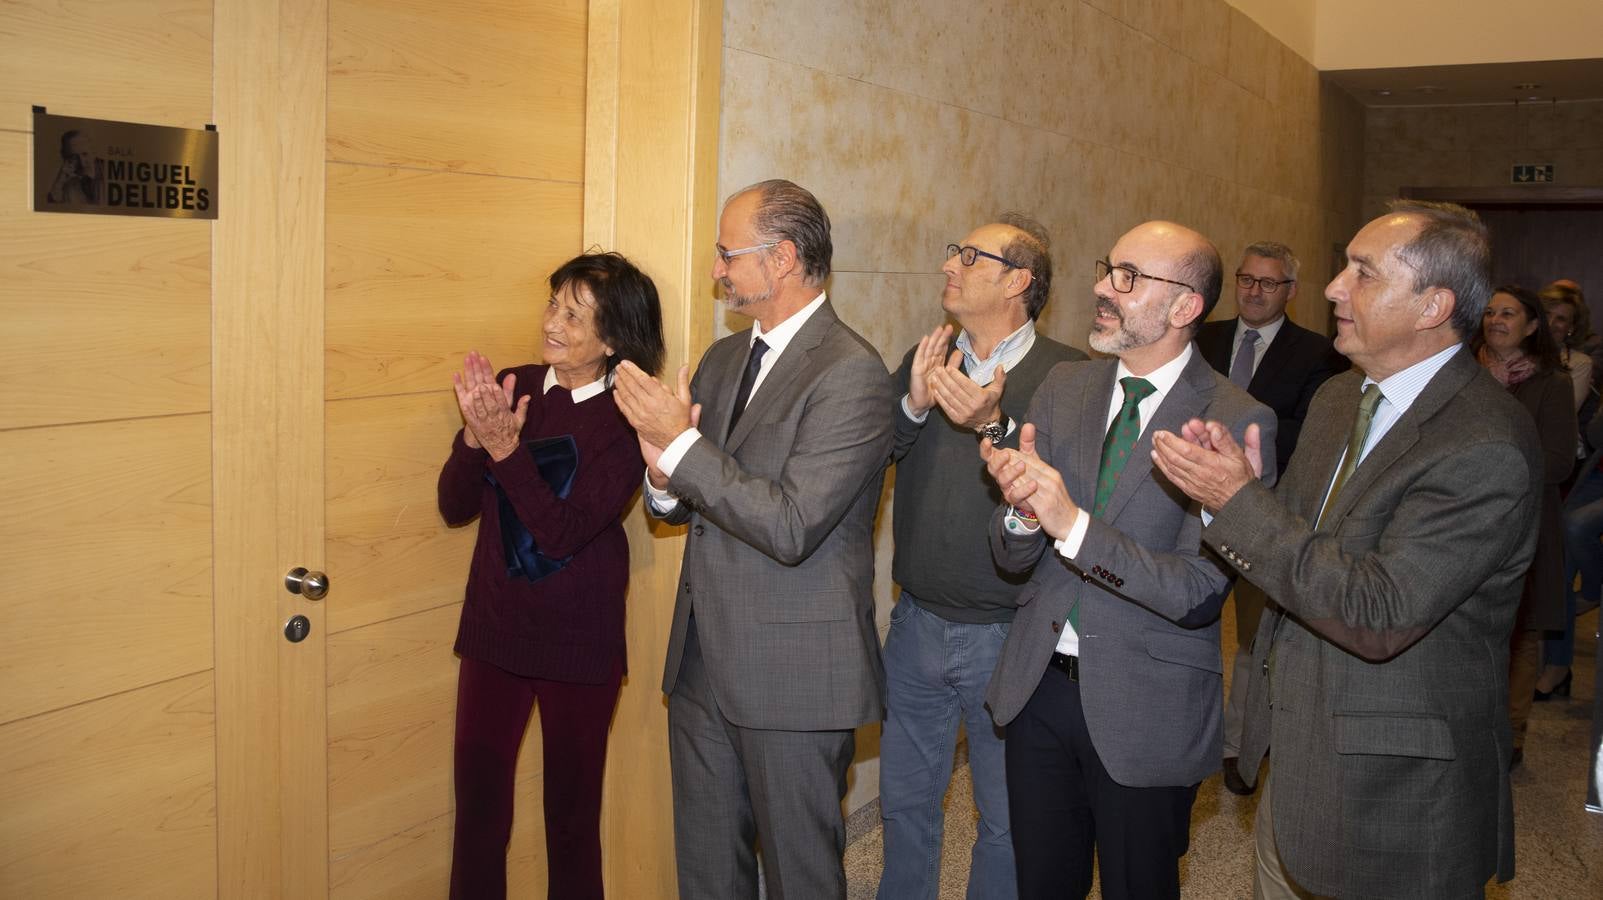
492 713
1064 807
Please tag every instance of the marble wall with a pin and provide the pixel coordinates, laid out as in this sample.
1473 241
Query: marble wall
1474 146
915 123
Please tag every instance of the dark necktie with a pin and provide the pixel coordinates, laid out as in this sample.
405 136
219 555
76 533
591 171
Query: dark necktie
754 362
1355 446
1241 369
1116 449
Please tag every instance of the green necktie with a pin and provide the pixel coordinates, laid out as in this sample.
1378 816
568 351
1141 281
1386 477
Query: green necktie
1355 446
1116 447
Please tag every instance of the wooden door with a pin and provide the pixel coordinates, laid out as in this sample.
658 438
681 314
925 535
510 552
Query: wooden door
190 409
107 698
454 173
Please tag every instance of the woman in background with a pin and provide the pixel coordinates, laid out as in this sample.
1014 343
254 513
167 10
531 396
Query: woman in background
549 466
1516 346
1572 327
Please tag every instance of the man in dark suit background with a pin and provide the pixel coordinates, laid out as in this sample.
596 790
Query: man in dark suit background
1110 679
1281 364
1395 548
773 455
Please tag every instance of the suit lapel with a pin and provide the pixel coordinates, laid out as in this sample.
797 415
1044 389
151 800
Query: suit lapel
1404 433
1188 398
785 374
1319 451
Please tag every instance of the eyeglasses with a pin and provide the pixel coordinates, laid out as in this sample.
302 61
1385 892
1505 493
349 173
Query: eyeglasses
727 255
968 254
1269 286
1123 277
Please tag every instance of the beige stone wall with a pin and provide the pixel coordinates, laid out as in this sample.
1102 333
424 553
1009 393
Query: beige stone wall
1474 146
915 123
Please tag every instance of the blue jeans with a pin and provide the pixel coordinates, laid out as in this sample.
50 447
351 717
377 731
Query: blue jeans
1583 525
936 673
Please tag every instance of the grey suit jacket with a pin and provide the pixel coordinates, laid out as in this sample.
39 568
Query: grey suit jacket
1150 595
1382 687
779 563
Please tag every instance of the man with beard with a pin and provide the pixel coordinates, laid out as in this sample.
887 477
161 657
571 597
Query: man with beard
1109 684
773 455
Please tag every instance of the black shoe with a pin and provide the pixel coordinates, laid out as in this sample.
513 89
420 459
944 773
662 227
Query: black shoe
1233 781
1562 689
1516 759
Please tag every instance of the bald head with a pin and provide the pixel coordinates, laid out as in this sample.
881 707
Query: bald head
1194 260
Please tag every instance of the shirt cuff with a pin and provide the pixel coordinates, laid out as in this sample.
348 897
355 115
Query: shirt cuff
908 412
676 450
1207 519
662 502
1069 547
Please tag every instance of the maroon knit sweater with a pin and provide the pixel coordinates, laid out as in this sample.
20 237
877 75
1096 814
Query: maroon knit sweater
569 625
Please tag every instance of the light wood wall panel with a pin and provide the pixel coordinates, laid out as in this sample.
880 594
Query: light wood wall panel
424 266
113 798
391 723
495 87
106 543
416 862
386 540
105 317
129 60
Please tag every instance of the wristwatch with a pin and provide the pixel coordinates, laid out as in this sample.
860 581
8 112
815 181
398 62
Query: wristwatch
996 431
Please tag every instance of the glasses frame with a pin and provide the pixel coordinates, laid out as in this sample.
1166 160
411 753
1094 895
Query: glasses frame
1105 269
968 255
727 255
1268 286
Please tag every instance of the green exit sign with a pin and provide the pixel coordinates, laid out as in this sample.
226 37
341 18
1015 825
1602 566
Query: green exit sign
1540 173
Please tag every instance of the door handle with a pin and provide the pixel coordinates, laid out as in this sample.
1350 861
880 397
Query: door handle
311 585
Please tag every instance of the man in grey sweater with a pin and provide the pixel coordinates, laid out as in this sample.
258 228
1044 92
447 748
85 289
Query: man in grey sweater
953 614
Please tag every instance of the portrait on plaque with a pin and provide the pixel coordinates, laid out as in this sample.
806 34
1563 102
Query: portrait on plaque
103 167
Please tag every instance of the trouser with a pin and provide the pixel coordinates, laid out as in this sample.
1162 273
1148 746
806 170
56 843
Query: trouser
492 713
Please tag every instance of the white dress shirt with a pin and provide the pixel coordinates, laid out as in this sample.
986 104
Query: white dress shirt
581 393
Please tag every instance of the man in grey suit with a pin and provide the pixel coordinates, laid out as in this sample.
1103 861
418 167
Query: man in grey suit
1109 684
1395 547
773 455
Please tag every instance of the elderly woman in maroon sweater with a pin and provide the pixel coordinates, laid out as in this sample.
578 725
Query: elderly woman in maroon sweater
548 465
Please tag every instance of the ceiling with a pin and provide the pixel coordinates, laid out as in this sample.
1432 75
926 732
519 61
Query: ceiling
1561 79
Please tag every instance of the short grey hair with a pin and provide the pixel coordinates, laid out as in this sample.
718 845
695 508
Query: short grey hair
786 211
1276 251
1452 251
1030 249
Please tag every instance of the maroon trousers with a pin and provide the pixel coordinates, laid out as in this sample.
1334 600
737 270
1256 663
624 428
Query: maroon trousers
492 713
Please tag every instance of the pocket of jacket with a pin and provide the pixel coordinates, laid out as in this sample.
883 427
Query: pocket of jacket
1421 737
823 606
1181 649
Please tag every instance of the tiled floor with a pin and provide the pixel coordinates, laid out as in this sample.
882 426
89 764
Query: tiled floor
1559 845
